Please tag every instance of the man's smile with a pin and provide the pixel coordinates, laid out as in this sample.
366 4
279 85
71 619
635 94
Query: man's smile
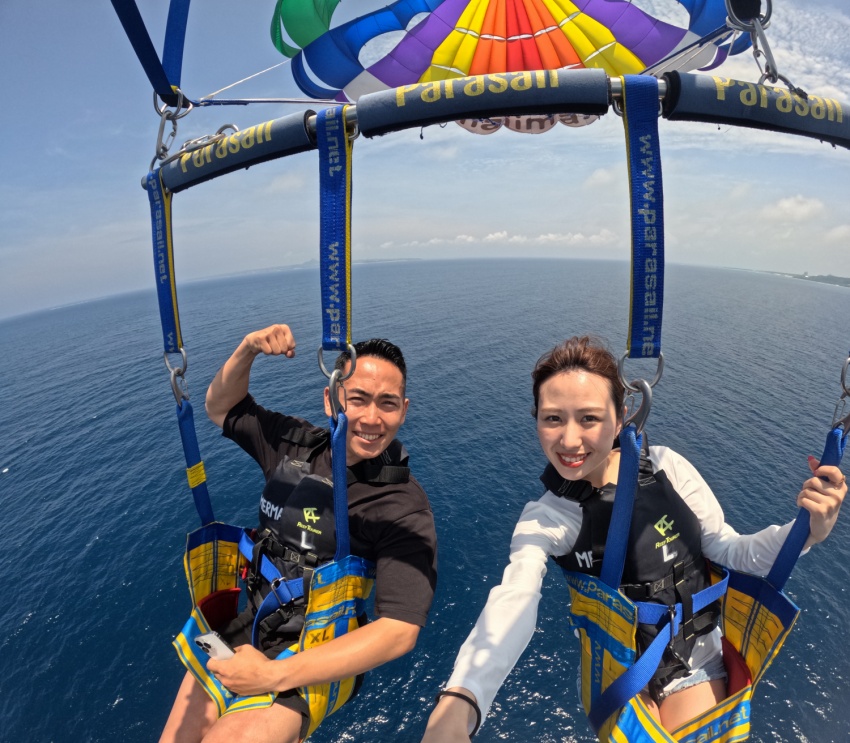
367 436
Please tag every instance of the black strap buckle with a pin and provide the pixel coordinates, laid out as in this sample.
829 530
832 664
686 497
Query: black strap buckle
671 646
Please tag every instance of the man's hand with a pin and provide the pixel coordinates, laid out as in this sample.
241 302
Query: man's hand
248 672
275 340
231 383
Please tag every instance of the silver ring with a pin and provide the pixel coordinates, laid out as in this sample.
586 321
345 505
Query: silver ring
630 385
328 374
184 364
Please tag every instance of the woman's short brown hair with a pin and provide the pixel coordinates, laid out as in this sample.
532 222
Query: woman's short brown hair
585 353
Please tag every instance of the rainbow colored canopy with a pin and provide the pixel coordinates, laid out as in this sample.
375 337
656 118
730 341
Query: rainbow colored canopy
427 40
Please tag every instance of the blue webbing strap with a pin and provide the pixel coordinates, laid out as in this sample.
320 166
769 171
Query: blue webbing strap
334 143
166 288
282 591
162 75
634 679
339 428
163 262
175 37
836 442
268 569
194 463
638 675
621 516
640 118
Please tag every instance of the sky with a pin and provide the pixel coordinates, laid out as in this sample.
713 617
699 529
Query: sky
81 130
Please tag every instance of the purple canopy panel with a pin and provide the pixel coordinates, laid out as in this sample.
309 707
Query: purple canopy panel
647 38
413 54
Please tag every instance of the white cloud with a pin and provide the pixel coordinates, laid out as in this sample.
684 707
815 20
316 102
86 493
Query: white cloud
287 183
444 153
839 234
794 209
600 177
569 239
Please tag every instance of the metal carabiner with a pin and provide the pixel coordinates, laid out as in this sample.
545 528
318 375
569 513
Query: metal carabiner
761 49
839 418
180 389
334 386
168 114
336 378
639 416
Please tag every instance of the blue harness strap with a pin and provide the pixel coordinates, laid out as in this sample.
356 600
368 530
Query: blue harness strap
163 262
639 675
194 464
164 76
334 142
621 515
339 428
836 442
640 118
175 37
172 339
281 593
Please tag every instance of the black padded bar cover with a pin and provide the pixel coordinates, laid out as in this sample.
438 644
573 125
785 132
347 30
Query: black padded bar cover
256 144
721 100
481 96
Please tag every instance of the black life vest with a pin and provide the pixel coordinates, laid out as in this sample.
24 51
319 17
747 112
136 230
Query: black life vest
664 562
297 530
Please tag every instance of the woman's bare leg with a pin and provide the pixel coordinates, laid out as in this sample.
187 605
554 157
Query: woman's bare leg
686 704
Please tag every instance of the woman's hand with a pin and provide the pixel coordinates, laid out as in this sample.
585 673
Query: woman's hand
822 496
451 720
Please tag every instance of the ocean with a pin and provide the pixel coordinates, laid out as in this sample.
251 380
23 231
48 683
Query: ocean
96 506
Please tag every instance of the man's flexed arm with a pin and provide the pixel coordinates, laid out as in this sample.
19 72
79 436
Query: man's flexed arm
231 383
250 672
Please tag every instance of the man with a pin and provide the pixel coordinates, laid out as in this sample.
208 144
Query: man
390 524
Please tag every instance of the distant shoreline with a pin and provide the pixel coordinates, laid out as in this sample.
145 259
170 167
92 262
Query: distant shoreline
828 279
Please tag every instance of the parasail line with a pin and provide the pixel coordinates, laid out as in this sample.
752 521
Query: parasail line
244 79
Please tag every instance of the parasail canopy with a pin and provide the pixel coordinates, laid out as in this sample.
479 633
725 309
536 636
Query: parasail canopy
417 41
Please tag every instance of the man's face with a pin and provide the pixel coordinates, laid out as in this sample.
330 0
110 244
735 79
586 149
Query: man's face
374 405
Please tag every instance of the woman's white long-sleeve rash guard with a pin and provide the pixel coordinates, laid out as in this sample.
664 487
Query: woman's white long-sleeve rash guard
549 527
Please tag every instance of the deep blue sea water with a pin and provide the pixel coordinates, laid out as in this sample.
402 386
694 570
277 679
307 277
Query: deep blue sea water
96 505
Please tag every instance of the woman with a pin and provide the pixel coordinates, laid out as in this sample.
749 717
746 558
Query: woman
578 405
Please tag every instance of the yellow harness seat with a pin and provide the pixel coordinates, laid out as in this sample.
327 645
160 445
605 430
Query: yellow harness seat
756 619
338 593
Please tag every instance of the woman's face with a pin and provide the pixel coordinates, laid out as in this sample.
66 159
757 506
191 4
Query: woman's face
577 425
